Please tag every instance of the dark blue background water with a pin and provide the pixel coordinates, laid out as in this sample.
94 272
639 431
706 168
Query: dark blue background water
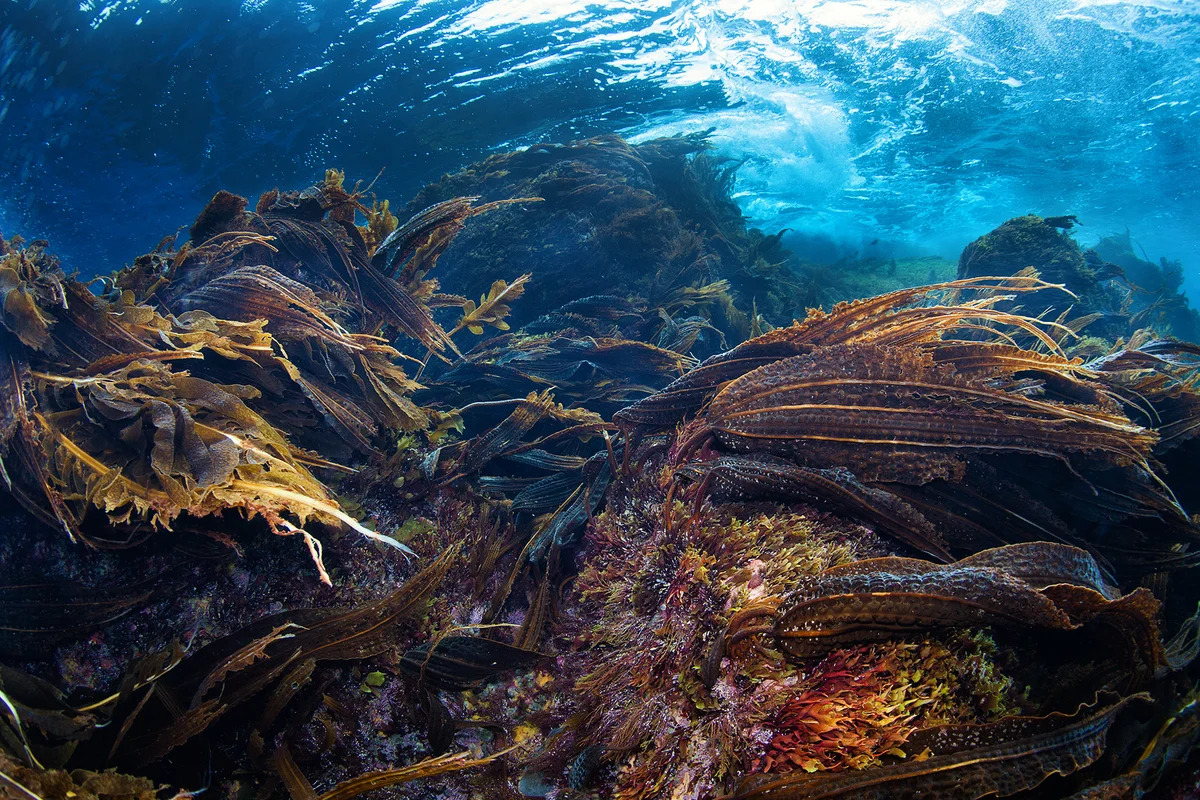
921 123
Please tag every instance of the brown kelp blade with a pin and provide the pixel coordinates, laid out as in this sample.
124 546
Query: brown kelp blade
757 476
688 394
503 437
394 251
568 519
33 617
833 610
1017 754
232 670
336 252
891 414
1042 564
415 246
875 320
884 597
427 768
458 662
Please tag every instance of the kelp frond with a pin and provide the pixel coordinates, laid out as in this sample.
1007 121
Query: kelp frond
493 307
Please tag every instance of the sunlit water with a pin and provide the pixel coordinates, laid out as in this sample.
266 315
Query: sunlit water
920 124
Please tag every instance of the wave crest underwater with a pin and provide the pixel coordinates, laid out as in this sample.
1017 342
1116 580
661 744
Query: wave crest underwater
922 124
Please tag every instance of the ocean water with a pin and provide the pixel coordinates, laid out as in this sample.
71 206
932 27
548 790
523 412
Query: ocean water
915 125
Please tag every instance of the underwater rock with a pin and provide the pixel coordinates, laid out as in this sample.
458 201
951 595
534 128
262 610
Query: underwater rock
1031 242
647 221
1158 299
1116 293
1024 242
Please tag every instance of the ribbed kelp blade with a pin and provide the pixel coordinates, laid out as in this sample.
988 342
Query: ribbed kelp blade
369 629
996 759
893 598
1159 380
687 394
567 520
565 361
293 311
892 414
552 462
1009 500
1043 564
998 359
319 246
394 251
290 774
757 476
501 438
883 597
33 617
547 494
884 319
459 662
891 315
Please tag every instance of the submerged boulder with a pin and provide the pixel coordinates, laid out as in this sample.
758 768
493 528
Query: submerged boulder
653 221
1042 244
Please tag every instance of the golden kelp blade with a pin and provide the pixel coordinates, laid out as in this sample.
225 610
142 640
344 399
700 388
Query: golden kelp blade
493 307
429 768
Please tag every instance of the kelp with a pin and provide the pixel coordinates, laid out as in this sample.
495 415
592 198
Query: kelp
652 218
922 411
265 303
764 476
457 662
22 782
331 255
35 616
598 372
493 307
30 285
997 759
259 369
884 597
233 670
427 768
148 442
901 418
325 361
909 317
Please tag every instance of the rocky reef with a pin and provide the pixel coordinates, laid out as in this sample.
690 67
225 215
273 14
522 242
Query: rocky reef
1110 288
286 519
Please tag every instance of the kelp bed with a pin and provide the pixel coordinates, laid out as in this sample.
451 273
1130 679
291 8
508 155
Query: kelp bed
286 519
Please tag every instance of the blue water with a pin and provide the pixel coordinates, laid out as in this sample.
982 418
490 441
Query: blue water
921 124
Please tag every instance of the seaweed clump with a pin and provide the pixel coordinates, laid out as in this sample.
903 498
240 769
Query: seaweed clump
911 546
661 709
1113 292
652 221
